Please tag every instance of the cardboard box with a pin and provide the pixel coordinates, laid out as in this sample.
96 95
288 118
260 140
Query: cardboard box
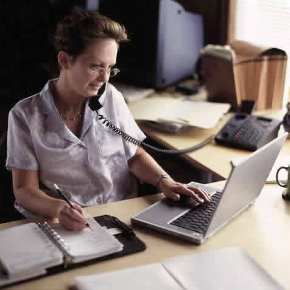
243 71
259 74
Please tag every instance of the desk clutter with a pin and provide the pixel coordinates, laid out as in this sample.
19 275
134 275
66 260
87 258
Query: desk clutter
45 249
132 93
244 71
165 109
226 268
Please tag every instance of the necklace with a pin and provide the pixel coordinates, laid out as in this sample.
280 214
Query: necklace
75 117
68 116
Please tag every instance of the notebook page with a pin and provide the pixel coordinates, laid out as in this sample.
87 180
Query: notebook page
89 243
148 277
5 280
26 247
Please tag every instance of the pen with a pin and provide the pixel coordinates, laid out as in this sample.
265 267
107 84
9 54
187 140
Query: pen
63 196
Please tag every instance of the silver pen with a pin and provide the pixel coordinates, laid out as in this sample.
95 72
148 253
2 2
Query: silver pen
63 196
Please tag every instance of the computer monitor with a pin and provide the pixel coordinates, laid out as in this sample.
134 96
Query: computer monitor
165 40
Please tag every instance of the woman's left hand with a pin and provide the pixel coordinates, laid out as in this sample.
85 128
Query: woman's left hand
174 190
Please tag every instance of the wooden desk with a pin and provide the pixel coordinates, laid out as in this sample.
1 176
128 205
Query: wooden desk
263 231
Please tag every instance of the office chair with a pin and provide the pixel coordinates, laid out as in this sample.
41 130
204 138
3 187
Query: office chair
7 210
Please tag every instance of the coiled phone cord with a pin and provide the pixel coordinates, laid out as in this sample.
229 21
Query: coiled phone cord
136 142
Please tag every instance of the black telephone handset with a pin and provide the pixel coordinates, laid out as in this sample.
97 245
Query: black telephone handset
248 132
95 105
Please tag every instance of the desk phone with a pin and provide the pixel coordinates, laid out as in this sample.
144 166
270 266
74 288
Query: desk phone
248 132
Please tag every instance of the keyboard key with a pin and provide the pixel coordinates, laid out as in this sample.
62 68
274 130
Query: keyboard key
198 218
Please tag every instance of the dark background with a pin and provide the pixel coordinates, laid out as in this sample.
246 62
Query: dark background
26 29
27 55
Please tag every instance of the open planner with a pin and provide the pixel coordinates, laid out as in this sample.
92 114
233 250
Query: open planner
227 268
29 250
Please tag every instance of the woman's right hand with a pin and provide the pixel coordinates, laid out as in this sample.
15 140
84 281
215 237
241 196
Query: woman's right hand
72 218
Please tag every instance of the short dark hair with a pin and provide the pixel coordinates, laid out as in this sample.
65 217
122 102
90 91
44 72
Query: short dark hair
76 31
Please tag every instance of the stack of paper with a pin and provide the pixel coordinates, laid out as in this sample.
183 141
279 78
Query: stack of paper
133 93
179 110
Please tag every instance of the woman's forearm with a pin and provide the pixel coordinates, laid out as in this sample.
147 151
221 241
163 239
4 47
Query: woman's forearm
38 202
143 166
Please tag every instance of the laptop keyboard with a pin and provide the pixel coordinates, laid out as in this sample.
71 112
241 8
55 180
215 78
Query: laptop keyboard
198 218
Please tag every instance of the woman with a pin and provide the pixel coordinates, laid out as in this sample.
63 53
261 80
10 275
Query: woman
55 138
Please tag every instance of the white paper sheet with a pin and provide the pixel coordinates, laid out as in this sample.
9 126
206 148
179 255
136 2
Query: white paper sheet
194 113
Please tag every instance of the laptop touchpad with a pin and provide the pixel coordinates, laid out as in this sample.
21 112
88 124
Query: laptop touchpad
162 213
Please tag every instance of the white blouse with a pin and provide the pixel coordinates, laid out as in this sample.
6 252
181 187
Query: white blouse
91 169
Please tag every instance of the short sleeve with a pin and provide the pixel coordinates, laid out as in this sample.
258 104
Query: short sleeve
127 124
20 152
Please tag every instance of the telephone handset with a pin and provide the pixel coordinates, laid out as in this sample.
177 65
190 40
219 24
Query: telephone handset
95 105
248 132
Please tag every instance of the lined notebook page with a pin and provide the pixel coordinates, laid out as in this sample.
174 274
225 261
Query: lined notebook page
25 248
91 242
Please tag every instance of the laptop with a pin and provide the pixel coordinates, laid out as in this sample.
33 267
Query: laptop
242 187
